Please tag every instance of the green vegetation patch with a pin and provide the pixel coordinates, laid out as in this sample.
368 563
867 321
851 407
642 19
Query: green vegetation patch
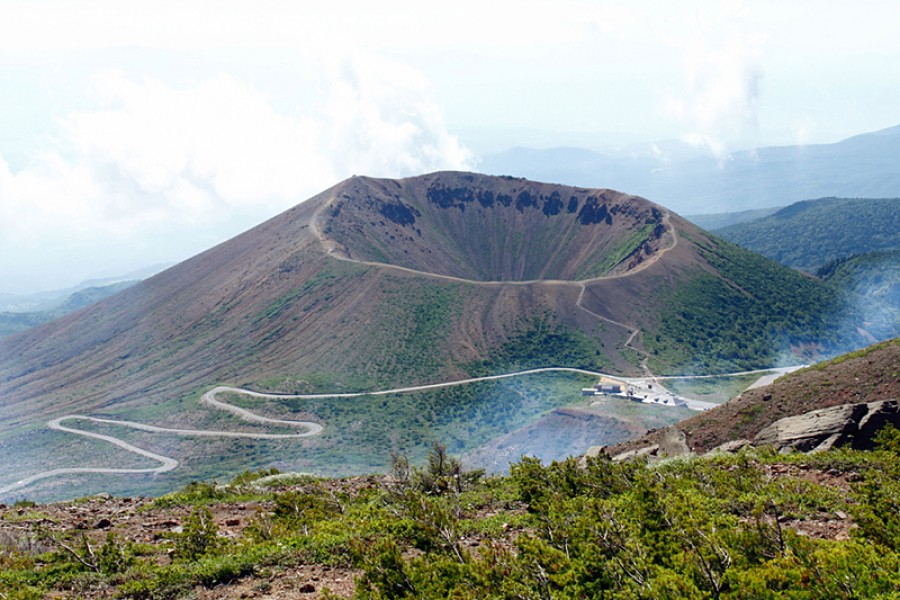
360 433
758 313
610 258
542 342
413 325
875 278
751 525
324 277
809 234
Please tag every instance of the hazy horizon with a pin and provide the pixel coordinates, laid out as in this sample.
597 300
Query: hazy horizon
142 133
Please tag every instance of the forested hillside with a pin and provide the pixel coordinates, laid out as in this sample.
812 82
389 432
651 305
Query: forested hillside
778 312
807 235
875 274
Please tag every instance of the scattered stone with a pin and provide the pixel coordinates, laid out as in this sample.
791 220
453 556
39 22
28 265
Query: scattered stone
165 524
639 453
731 447
594 451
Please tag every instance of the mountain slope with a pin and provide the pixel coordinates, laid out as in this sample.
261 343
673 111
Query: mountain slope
808 234
875 274
280 300
14 322
874 278
378 284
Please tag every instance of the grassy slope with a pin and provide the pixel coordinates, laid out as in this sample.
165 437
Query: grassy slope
753 314
874 278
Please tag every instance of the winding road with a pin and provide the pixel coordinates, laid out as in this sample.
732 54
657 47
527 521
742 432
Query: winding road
167 463
210 398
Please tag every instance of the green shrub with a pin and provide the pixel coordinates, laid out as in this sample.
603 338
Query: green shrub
199 536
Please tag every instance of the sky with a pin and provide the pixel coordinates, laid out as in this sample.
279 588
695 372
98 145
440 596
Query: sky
136 133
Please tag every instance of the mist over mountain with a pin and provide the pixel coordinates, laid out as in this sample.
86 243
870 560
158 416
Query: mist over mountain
714 221
377 284
852 243
860 166
14 322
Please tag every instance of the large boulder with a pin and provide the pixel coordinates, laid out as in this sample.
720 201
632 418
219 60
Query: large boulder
673 443
849 424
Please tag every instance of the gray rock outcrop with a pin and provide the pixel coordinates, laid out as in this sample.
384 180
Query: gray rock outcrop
848 424
732 447
673 443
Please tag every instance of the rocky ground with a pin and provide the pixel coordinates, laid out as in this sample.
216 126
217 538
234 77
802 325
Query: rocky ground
143 521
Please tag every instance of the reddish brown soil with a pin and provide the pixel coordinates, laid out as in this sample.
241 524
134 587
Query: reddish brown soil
137 520
276 301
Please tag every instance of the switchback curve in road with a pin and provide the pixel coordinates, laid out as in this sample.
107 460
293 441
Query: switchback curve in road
166 463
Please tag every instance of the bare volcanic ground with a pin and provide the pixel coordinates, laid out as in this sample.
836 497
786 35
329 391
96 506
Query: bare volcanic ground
494 229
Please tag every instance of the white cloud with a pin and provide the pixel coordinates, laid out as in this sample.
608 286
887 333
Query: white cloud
150 162
718 102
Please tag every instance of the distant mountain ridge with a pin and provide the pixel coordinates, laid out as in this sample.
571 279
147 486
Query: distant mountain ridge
15 322
714 221
51 299
860 166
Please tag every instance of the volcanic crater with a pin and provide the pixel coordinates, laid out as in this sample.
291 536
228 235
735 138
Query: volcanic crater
479 228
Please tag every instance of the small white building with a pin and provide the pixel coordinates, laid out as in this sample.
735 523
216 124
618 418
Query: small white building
604 386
